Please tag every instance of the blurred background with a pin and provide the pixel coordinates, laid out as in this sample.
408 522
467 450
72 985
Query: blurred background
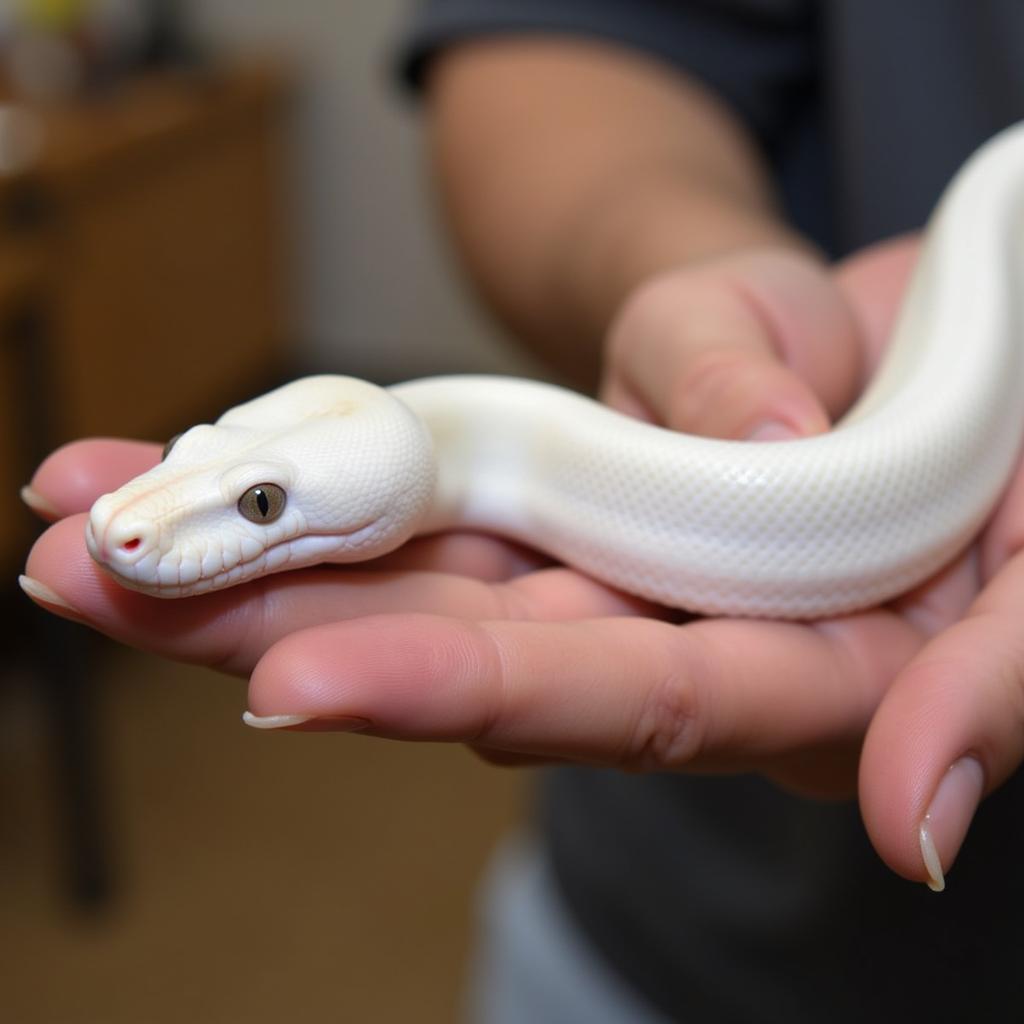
199 200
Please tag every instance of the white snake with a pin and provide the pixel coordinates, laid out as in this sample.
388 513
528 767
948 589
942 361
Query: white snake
331 469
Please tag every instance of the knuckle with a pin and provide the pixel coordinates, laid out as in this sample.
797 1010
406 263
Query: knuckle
713 380
490 663
669 732
714 369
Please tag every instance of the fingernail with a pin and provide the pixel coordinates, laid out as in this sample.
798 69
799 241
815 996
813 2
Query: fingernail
44 595
38 503
313 723
949 815
772 430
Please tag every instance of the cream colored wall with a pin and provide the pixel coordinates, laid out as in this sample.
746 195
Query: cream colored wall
378 294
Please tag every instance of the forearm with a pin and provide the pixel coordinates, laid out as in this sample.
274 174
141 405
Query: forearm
573 171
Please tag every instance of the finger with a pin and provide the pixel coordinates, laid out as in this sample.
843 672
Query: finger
950 729
758 345
74 476
464 554
944 598
231 629
1004 537
627 692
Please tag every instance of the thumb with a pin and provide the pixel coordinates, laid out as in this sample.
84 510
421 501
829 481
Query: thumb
758 345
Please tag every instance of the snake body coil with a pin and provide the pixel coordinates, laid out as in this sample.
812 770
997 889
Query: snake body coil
794 529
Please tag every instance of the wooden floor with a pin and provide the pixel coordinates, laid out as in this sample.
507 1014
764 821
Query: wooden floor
261 877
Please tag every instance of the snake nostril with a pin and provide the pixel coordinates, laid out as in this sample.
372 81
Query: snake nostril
128 543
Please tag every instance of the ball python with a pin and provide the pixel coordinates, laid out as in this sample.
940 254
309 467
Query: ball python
334 469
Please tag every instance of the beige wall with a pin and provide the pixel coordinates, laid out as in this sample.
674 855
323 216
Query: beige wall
378 295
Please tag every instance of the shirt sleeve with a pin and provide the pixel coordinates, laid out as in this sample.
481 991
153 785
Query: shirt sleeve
757 55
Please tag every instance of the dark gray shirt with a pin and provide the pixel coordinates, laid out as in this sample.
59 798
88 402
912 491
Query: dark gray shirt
726 899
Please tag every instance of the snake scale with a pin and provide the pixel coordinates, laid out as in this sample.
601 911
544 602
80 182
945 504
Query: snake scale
333 469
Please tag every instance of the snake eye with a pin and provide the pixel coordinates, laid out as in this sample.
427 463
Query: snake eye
262 503
167 447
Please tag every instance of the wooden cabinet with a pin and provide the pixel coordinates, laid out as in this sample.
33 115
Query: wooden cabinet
143 267
22 275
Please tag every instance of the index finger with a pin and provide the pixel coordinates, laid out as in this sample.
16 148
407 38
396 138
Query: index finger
70 479
231 629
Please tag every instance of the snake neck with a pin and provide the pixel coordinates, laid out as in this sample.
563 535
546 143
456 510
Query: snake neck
484 430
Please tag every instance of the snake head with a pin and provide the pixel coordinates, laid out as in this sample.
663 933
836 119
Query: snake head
231 501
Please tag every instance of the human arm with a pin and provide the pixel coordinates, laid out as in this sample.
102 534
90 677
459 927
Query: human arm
572 172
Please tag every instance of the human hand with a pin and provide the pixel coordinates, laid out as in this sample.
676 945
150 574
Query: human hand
464 639
948 729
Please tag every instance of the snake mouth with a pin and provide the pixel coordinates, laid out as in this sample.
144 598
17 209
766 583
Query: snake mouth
239 573
275 558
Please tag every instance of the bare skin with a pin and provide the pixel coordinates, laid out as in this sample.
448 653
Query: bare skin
715 319
573 172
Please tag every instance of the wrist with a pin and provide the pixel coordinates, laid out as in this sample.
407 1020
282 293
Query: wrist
658 230
651 235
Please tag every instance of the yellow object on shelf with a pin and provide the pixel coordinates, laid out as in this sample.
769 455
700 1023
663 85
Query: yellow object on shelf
53 15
